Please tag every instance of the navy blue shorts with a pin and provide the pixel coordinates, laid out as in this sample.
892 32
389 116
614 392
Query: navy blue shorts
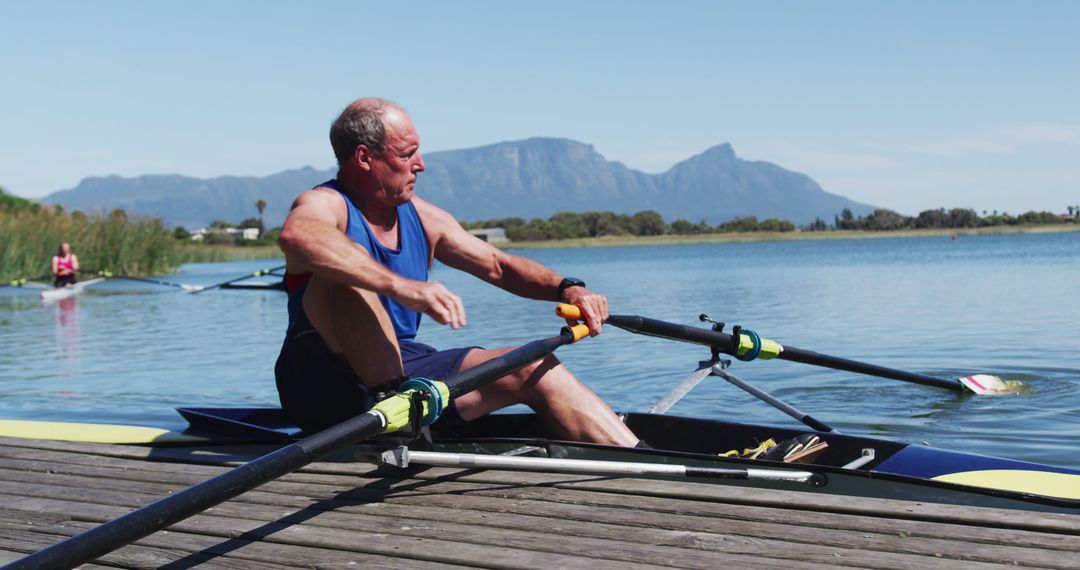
318 389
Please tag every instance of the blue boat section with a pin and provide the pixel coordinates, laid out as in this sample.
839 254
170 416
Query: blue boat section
983 471
928 462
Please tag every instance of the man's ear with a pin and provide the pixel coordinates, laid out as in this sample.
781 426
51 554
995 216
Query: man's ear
363 156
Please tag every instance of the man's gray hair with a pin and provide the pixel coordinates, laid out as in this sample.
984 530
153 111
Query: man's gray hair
361 123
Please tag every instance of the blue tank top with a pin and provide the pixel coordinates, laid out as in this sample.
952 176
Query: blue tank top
410 260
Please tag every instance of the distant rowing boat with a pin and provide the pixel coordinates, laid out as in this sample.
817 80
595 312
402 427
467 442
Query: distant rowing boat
58 293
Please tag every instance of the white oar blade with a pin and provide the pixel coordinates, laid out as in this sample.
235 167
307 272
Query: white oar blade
988 385
191 288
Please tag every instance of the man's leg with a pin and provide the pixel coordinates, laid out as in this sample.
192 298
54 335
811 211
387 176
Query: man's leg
354 325
568 408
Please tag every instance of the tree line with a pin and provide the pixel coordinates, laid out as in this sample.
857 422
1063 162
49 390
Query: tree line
883 219
573 225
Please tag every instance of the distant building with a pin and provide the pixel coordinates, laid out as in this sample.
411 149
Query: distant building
240 233
491 235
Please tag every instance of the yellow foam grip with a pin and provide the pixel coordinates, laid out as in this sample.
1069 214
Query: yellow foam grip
568 311
769 348
396 408
579 332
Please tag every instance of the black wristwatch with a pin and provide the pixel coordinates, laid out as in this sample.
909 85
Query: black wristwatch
567 283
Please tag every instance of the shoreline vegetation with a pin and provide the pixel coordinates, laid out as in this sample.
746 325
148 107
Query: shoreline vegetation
140 246
590 229
115 242
761 236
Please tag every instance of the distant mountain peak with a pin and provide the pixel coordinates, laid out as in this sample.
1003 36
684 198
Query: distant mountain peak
721 151
533 177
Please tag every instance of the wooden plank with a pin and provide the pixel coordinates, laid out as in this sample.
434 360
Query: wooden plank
866 524
946 513
834 544
999 518
351 531
184 550
567 486
395 551
460 524
202 454
905 530
8 556
30 539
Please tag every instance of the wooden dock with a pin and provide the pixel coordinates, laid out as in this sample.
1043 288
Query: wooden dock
354 515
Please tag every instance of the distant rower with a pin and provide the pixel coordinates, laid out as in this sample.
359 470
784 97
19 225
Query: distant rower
65 266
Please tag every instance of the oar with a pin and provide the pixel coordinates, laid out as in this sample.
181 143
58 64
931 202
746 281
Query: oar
748 345
258 273
403 457
184 286
24 282
421 400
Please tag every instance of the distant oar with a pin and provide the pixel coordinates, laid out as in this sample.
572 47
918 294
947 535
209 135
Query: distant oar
982 384
420 401
24 282
183 286
260 273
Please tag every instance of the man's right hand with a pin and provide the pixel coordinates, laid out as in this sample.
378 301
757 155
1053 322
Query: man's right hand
434 300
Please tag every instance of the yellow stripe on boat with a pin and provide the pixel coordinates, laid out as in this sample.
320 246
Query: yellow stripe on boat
92 433
1060 485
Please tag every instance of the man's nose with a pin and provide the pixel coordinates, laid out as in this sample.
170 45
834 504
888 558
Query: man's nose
419 166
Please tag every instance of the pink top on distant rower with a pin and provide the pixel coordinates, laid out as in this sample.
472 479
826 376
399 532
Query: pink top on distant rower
65 265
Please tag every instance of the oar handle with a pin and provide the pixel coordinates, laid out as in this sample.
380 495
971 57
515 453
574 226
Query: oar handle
568 311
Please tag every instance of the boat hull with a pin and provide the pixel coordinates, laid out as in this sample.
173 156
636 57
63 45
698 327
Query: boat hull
897 470
57 293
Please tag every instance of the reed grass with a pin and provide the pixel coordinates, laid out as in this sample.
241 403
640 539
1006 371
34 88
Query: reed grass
116 242
195 253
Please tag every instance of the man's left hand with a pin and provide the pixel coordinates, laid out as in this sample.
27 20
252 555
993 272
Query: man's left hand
594 307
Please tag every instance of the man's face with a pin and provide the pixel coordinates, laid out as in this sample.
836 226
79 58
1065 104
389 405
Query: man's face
395 170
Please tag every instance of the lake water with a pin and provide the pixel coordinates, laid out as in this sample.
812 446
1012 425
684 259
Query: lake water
1007 305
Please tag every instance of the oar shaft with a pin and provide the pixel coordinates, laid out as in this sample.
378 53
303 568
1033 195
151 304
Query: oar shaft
479 375
259 273
156 282
723 343
817 359
128 528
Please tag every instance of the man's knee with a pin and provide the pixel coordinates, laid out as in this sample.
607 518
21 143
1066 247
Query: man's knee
536 379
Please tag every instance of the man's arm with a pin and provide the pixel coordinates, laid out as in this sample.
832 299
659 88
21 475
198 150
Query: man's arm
314 241
519 275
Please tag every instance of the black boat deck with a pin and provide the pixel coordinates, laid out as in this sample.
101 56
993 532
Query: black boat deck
354 515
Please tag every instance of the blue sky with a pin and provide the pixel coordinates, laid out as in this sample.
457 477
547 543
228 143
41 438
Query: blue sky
907 105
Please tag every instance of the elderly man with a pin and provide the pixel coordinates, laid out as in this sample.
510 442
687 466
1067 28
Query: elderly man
358 249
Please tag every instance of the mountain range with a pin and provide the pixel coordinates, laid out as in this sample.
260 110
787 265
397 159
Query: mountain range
528 178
